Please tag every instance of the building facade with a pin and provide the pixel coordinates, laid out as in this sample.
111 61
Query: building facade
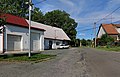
16 34
112 30
53 36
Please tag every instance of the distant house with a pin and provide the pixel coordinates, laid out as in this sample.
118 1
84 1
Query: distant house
15 36
53 36
111 29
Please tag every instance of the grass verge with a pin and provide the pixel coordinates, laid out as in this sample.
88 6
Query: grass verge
24 57
117 49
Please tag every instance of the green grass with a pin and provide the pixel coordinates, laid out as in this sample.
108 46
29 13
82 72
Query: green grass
20 58
117 49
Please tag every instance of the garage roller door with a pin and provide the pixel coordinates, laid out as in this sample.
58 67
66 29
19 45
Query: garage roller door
35 41
13 42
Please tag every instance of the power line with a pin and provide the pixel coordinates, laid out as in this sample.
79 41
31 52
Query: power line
117 21
101 20
84 19
90 25
88 29
108 14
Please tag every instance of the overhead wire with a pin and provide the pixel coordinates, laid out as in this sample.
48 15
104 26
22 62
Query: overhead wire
104 18
108 14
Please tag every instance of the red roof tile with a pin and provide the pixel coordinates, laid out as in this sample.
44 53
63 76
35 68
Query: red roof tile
109 28
117 25
12 19
17 21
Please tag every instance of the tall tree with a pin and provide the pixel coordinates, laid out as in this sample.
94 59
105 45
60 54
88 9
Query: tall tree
16 7
37 15
62 20
20 8
84 42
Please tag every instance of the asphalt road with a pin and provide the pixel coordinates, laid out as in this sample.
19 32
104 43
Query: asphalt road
102 63
68 63
73 62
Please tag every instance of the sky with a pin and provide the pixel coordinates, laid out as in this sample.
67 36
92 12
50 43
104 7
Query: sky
85 13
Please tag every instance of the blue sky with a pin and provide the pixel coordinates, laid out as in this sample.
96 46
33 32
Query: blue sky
85 12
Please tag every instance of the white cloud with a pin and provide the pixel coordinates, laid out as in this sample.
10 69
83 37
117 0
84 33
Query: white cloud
96 16
67 2
81 34
113 3
48 7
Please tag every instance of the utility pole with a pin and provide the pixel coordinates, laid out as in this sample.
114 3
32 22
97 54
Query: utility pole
95 34
30 8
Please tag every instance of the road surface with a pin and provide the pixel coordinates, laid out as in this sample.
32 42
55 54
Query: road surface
73 62
102 63
68 63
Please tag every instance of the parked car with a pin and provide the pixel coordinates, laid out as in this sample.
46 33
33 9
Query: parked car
63 46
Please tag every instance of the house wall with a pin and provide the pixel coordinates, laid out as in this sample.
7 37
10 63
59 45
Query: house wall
115 37
101 32
118 29
23 32
42 41
1 43
55 43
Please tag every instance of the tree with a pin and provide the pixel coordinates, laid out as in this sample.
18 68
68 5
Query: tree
61 19
15 7
37 15
20 8
89 42
105 39
83 42
77 42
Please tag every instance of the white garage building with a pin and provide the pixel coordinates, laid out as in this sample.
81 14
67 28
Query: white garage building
53 36
15 36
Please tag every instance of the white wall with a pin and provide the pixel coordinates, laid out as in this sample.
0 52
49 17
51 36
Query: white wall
41 42
118 29
101 32
15 30
54 46
1 43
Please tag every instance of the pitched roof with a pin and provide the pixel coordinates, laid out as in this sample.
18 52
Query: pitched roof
109 29
51 32
17 21
116 25
12 19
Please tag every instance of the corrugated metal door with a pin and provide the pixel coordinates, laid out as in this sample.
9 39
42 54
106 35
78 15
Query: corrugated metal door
13 42
35 41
